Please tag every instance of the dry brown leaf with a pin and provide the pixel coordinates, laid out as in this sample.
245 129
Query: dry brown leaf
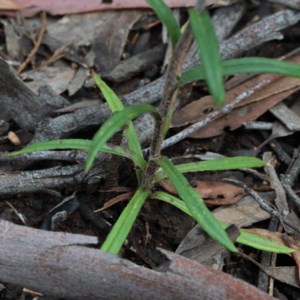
9 5
286 275
199 109
93 29
58 7
57 77
242 115
115 200
212 192
244 213
219 193
278 89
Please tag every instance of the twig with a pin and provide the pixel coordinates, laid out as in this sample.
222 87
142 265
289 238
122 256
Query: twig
213 116
53 58
294 168
114 201
262 203
258 125
280 200
292 195
288 180
268 259
278 149
37 43
290 3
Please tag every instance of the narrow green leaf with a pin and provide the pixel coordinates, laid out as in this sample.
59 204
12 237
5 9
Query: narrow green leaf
168 198
122 227
261 65
78 144
195 204
256 65
195 74
170 114
133 140
113 101
257 242
209 53
167 18
228 163
116 105
113 125
244 238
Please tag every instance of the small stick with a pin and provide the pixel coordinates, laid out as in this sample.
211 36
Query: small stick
288 180
37 43
213 116
53 58
262 203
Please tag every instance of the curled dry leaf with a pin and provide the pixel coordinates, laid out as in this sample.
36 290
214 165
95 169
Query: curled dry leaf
212 192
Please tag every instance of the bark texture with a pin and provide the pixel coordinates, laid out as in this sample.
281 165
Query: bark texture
61 265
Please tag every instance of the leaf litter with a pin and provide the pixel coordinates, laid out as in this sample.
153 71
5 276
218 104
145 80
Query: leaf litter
93 40
276 89
57 7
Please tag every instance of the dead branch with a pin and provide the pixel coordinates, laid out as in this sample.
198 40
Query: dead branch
57 264
58 178
18 101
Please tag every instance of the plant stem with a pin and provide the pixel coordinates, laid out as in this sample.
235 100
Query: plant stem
167 105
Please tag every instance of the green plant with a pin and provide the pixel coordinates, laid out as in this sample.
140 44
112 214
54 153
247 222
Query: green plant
156 167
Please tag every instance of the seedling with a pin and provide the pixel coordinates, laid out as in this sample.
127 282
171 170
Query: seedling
153 169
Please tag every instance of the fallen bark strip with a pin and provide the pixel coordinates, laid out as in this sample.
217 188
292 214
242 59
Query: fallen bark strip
57 264
13 183
22 105
17 100
135 64
58 178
